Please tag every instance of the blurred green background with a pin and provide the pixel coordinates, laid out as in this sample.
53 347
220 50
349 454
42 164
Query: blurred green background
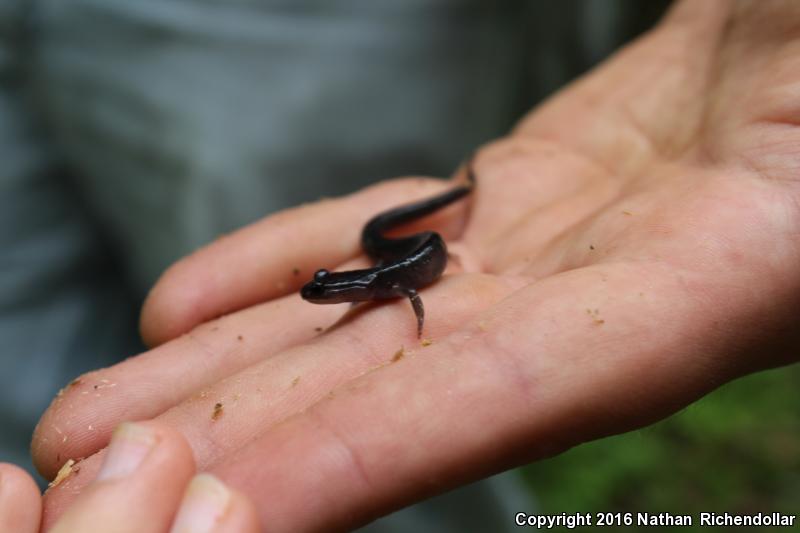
737 450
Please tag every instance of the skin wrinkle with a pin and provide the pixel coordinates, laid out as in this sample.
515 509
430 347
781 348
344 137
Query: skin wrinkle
412 447
361 313
575 256
314 499
716 360
349 340
524 219
222 429
509 366
681 146
354 314
733 53
204 346
354 459
355 471
554 138
639 407
207 445
211 439
648 143
453 350
782 169
508 363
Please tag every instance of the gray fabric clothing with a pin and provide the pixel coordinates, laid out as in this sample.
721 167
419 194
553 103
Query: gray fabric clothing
132 132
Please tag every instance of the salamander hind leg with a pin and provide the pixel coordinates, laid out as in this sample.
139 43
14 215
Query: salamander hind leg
419 309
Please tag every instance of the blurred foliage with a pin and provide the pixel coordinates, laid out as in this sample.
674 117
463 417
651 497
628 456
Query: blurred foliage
736 450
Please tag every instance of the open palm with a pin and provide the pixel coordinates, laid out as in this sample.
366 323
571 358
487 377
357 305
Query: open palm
632 245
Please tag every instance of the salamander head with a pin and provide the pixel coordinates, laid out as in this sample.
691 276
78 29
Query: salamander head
337 287
314 290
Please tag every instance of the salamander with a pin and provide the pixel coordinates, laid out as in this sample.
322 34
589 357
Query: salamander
402 266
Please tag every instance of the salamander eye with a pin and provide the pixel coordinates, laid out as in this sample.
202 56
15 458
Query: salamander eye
320 274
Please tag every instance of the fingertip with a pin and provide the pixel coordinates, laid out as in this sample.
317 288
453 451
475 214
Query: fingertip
242 517
50 444
167 309
77 423
68 487
20 501
41 450
210 505
171 454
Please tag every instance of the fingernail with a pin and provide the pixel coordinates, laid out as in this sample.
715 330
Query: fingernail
203 506
130 444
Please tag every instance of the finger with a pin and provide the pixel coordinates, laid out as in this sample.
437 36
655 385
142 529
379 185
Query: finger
138 487
529 378
20 502
228 414
211 507
270 258
81 418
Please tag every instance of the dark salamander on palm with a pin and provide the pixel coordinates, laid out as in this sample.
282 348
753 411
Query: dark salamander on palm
402 265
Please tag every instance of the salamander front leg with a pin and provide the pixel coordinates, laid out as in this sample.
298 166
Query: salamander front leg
419 309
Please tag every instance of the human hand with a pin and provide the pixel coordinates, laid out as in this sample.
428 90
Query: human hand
630 246
143 487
